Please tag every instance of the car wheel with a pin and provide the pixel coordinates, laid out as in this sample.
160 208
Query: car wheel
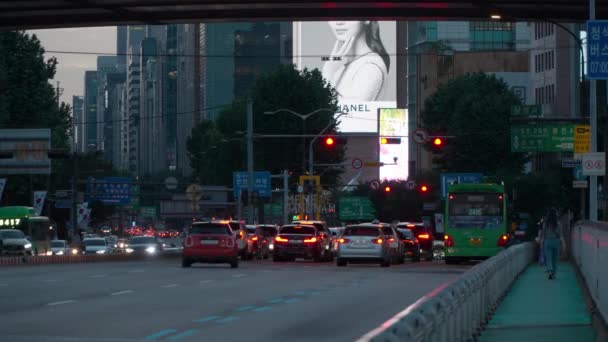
276 258
186 262
429 257
416 258
385 263
234 263
317 257
340 262
266 256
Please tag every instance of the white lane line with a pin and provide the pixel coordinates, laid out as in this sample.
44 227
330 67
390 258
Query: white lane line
205 281
61 302
170 285
121 292
98 275
238 275
3 285
136 271
50 280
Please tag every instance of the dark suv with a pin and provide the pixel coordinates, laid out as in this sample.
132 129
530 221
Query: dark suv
302 241
424 236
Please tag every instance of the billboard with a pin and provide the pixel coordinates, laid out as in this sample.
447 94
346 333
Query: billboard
394 122
30 151
109 190
358 58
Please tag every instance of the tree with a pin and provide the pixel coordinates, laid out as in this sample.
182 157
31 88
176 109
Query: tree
286 87
473 111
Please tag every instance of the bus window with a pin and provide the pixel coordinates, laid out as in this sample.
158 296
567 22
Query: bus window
475 211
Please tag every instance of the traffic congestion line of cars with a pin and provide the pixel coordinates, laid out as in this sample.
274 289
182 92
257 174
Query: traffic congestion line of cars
227 241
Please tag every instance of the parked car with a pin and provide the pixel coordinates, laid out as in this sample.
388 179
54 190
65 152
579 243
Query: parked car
412 246
364 243
424 236
302 241
13 241
59 247
210 242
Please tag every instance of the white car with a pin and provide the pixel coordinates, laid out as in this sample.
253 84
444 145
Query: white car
59 247
13 241
95 246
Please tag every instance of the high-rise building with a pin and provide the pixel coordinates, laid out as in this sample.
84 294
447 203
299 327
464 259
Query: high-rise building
105 66
90 122
135 35
78 117
121 47
113 106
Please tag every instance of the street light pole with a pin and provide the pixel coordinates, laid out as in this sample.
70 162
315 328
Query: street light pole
593 127
249 159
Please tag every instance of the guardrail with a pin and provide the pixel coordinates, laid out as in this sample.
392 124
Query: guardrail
458 311
590 253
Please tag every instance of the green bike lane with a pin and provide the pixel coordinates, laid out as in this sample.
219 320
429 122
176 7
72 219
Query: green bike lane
539 309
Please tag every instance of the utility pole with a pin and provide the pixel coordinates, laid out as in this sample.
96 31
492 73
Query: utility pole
593 126
285 196
75 235
249 159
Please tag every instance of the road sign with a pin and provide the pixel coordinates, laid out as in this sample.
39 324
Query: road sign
582 139
374 184
171 183
457 178
63 193
63 204
373 164
420 136
542 138
148 211
357 163
355 208
577 172
570 162
579 184
428 206
411 185
109 190
527 110
597 49
261 183
594 164
194 192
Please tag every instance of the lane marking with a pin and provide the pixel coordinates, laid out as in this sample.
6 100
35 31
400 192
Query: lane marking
227 320
299 293
62 302
245 308
48 281
121 292
207 319
136 271
262 309
315 293
205 281
160 334
169 285
276 300
238 275
182 335
293 300
98 275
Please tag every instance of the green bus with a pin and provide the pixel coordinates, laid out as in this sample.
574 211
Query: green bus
475 221
37 228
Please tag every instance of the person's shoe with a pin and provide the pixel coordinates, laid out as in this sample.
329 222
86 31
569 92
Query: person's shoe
551 275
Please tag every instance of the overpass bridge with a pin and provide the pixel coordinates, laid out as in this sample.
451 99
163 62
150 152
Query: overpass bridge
29 14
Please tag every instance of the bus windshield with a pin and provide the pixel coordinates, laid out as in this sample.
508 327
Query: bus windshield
475 210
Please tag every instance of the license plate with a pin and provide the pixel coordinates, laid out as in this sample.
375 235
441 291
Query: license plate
209 242
475 241
296 241
361 244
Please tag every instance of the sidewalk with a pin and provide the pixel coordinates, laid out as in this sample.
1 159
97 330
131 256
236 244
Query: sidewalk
539 309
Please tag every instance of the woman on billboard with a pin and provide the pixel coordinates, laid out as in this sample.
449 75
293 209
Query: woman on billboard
359 64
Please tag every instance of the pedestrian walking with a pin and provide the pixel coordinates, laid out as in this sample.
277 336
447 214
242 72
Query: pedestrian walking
551 241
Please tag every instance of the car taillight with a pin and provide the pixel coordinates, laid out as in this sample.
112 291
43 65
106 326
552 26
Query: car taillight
343 240
378 241
281 239
391 240
503 240
255 238
189 241
448 241
310 240
424 236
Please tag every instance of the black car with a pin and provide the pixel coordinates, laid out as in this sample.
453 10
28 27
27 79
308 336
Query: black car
266 234
424 236
302 241
144 245
412 246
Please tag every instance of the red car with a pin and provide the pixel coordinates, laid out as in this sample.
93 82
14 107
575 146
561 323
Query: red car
210 242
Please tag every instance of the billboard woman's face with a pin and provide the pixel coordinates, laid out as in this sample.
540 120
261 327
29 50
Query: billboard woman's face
346 29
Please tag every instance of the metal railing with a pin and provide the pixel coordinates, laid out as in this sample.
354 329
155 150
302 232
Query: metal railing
589 243
459 310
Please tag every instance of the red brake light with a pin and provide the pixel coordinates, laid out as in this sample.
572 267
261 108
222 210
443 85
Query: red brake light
391 240
411 225
255 238
280 239
424 236
502 241
310 240
378 241
448 241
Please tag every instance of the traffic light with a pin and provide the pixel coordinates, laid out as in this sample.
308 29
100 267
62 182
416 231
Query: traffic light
387 189
424 188
390 141
437 142
329 141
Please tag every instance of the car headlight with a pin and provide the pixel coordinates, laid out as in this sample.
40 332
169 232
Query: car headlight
121 245
151 250
74 251
100 252
28 245
49 253
129 250
60 253
271 246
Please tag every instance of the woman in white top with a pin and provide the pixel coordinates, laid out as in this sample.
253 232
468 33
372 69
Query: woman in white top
359 64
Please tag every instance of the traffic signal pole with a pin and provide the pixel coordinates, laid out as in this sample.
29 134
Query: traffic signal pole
249 159
593 127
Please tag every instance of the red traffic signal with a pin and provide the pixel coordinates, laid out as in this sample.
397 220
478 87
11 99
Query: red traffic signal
387 189
390 141
424 188
329 141
438 142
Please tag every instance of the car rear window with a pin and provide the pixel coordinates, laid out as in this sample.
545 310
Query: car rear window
416 229
304 230
235 226
57 244
210 228
387 231
269 231
361 231
407 234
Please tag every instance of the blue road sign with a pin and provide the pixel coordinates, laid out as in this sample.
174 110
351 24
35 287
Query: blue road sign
63 204
597 49
109 190
458 178
577 172
261 183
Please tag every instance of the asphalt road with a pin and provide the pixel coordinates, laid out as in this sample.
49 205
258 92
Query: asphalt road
160 301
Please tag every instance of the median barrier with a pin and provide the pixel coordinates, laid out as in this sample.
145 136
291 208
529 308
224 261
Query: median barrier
77 259
459 310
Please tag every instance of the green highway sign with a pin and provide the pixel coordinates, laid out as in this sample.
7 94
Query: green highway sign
542 138
356 208
527 110
147 211
273 210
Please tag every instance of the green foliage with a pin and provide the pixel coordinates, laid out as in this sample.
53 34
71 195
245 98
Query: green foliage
286 87
474 110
